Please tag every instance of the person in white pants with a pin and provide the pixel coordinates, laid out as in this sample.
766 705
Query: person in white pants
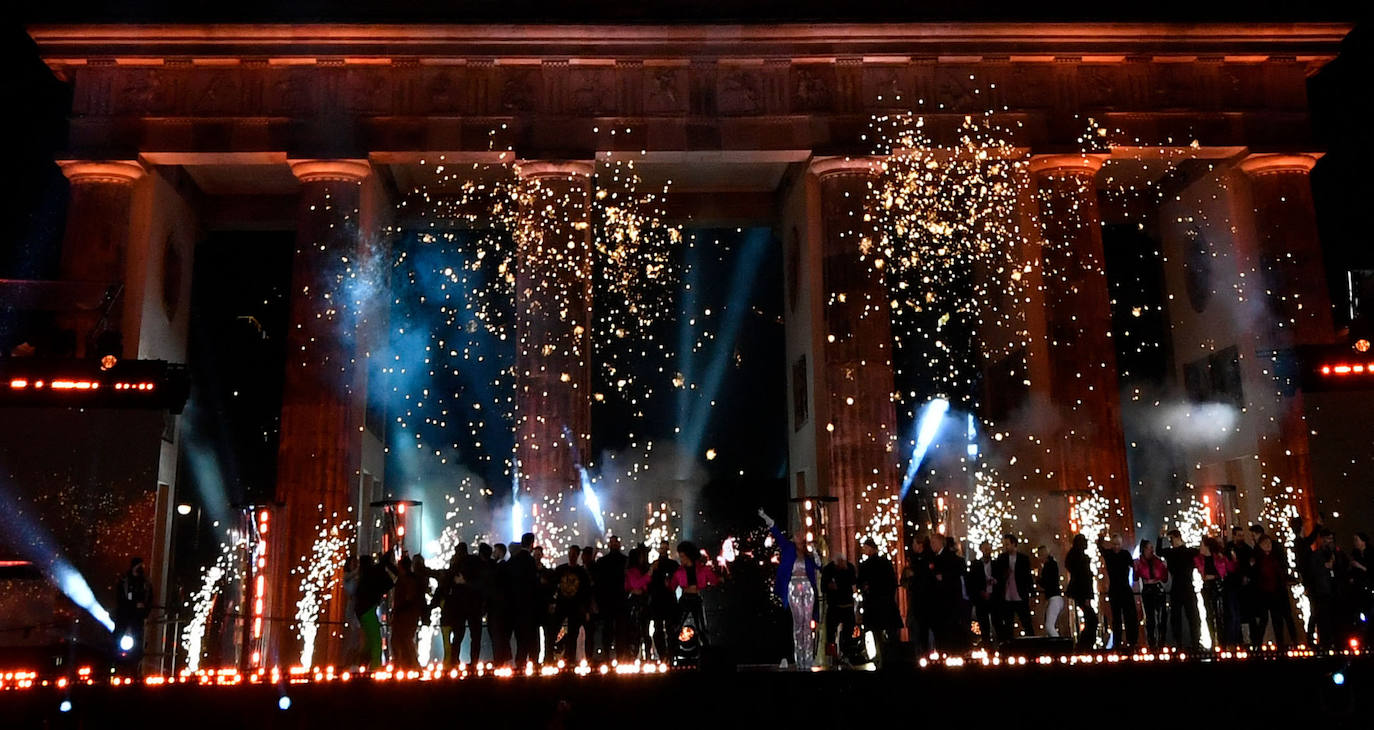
1048 581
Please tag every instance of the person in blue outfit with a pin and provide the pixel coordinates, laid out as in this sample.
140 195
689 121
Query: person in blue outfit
795 584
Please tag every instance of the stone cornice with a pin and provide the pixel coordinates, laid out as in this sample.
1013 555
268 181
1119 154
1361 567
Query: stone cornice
101 171
1273 164
530 169
62 45
345 170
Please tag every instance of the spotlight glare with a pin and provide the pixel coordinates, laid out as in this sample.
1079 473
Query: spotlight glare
126 643
284 703
66 706
183 509
1338 678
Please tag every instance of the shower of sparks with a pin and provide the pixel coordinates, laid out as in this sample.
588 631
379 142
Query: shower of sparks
1276 513
949 245
1088 517
320 572
1194 523
497 252
225 571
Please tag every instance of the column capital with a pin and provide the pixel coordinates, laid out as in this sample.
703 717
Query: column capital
345 170
1066 164
825 166
1273 164
530 169
104 171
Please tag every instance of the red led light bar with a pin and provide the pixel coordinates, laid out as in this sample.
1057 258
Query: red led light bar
1346 369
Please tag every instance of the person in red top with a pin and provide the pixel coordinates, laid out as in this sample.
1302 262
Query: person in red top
1213 565
1271 585
1153 574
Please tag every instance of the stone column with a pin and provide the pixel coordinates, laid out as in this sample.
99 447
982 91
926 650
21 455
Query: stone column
95 246
1293 273
1088 448
322 407
553 300
856 399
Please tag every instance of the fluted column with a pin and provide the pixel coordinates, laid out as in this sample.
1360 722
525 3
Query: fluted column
1088 449
856 398
553 299
1293 275
319 448
95 243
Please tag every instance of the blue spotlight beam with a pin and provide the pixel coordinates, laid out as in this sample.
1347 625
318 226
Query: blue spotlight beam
36 545
741 285
927 428
589 498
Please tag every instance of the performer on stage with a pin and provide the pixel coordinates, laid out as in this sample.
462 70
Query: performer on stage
795 584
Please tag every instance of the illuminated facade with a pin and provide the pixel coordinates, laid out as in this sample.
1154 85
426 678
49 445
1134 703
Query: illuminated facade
1204 137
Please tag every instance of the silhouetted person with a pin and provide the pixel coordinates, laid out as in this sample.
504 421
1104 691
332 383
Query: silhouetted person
878 584
918 579
1118 564
981 586
1325 573
608 584
1014 585
453 597
1271 591
572 593
133 604
1214 567
407 606
1048 583
838 579
663 609
1182 593
525 611
1082 589
948 621
374 582
499 606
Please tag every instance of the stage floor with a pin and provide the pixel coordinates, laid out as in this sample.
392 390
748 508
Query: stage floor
1107 694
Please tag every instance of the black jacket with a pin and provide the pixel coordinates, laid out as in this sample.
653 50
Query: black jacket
523 583
1025 582
608 581
1049 578
1080 569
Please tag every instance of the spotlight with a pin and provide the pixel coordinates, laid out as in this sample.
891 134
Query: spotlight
183 509
1338 678
126 643
66 706
108 362
284 703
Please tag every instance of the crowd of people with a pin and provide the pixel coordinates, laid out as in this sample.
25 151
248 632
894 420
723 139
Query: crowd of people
647 604
1235 589
610 606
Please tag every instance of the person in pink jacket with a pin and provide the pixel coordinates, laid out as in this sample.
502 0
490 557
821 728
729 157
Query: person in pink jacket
693 574
1213 565
637 578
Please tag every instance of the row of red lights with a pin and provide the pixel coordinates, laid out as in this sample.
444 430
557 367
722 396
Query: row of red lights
1354 368
26 384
